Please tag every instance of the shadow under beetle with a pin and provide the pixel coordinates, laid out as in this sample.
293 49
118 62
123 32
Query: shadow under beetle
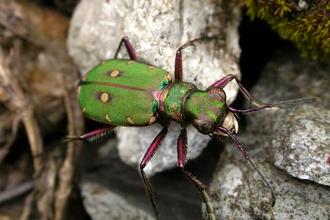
122 92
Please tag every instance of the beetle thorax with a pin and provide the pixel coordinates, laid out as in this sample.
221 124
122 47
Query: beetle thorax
172 99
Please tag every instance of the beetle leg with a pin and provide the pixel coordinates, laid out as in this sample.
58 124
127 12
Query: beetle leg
178 66
225 80
182 159
128 46
93 135
178 61
178 56
224 130
146 158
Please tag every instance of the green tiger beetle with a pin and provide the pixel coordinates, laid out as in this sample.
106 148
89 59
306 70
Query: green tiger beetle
126 92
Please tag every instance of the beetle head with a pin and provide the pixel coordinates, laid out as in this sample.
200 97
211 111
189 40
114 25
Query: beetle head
208 111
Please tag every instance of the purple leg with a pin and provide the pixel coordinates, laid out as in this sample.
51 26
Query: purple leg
182 159
146 158
225 80
178 59
93 135
224 130
178 66
128 46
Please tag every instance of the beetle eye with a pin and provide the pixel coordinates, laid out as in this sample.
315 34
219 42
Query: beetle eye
203 126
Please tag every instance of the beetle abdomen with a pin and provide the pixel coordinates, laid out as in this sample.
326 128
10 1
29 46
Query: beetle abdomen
122 92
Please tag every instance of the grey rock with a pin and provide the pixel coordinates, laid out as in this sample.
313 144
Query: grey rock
297 138
237 192
99 205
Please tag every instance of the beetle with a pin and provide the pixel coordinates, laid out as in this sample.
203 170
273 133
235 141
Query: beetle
153 97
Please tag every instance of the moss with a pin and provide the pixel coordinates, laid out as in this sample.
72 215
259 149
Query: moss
306 23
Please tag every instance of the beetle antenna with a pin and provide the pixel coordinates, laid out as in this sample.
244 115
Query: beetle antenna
294 101
276 104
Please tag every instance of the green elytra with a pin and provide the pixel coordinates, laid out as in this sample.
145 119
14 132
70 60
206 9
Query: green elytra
113 92
122 92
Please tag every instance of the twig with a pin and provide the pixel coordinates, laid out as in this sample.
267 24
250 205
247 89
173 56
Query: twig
67 170
27 205
16 101
16 31
5 149
17 191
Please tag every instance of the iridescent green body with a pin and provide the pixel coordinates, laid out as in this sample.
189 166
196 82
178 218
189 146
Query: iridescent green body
131 93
